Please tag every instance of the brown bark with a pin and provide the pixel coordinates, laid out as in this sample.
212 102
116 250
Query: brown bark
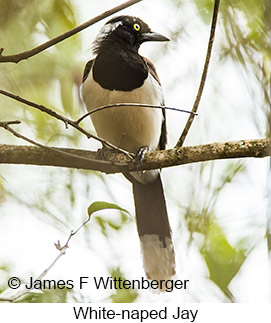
117 162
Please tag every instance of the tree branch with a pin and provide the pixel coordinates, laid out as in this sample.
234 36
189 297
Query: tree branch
58 116
75 124
129 105
16 58
119 163
56 151
203 77
62 251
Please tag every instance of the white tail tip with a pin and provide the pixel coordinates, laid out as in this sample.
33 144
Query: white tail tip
158 257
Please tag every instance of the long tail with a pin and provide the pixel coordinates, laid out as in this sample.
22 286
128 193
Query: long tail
154 229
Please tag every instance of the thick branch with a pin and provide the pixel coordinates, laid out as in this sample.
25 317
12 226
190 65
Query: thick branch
25 55
116 163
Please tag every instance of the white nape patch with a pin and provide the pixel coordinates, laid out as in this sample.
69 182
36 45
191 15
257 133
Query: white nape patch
158 260
106 30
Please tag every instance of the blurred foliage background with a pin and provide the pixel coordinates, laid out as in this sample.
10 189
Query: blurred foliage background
220 211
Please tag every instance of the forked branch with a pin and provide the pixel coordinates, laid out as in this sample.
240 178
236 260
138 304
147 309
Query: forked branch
62 251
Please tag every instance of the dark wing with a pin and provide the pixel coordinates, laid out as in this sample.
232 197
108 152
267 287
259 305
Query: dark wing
87 70
152 69
163 137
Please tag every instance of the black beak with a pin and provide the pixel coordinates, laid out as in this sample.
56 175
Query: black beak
152 36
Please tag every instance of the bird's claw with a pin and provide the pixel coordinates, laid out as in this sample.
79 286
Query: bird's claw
140 154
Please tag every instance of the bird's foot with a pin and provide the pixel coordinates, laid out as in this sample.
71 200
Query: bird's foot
104 152
140 154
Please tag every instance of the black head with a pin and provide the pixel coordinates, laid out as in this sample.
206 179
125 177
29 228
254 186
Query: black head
126 31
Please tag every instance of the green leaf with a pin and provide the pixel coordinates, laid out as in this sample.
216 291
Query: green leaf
100 205
103 223
223 260
121 294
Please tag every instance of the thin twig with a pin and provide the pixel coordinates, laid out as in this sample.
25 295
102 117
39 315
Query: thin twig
72 156
203 77
66 121
5 124
62 251
139 105
27 54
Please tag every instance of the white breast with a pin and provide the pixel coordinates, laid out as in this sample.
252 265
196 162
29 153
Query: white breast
127 127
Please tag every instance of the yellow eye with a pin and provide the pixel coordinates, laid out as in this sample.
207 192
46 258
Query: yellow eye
136 27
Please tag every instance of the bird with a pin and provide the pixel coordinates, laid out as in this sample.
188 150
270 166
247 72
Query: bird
119 74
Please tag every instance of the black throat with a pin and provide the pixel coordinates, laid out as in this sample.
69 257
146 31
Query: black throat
119 69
